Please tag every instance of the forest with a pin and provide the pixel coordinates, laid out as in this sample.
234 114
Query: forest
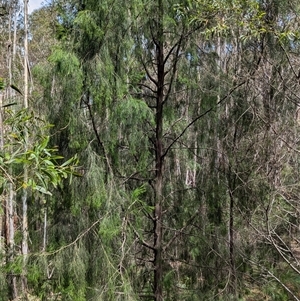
149 150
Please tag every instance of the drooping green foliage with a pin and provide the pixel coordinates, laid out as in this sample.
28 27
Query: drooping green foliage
184 118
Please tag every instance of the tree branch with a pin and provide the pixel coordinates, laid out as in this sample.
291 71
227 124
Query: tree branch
202 115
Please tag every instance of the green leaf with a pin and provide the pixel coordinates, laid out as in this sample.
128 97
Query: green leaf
68 162
2 188
1 83
42 190
53 176
48 162
40 177
44 143
56 157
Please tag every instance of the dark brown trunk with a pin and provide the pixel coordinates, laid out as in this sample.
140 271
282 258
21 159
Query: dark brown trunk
231 186
231 245
158 229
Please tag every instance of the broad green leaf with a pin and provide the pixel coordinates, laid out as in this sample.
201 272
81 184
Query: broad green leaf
48 162
68 162
42 190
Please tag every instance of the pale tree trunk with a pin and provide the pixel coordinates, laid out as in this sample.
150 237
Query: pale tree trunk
10 195
25 192
10 240
2 197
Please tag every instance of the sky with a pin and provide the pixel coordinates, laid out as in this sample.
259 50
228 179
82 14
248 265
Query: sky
34 4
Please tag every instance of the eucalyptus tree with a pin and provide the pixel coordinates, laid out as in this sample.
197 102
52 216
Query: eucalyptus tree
9 17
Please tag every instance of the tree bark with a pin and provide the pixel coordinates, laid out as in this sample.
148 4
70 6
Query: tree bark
231 244
158 217
25 192
10 194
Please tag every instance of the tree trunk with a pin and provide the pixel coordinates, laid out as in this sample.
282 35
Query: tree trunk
231 245
2 198
10 195
25 192
158 229
10 240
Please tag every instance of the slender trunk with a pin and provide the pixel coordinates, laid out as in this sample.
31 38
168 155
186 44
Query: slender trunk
10 195
158 229
26 66
2 197
25 237
231 180
45 231
25 192
158 271
231 245
10 240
